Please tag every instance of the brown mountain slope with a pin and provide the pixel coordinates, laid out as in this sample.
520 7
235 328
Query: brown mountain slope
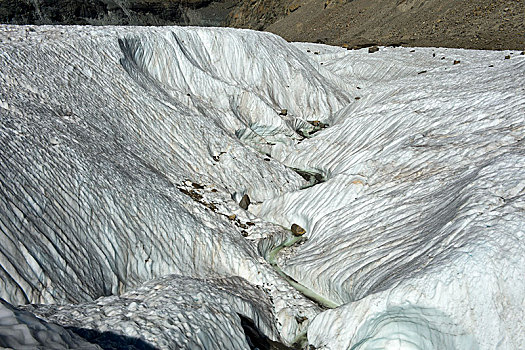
480 24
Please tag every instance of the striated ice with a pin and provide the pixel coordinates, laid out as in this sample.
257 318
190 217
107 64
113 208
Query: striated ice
169 314
428 251
22 330
125 152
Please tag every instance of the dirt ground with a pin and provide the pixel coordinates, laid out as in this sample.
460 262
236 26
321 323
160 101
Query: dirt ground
477 24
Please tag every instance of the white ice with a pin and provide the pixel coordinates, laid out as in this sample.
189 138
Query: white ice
108 134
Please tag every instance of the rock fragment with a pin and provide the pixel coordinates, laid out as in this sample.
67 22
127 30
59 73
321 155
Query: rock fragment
298 230
245 202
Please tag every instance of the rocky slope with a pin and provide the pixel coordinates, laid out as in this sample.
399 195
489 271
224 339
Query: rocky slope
479 24
116 12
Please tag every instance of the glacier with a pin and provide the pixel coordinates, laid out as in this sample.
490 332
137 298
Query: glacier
125 152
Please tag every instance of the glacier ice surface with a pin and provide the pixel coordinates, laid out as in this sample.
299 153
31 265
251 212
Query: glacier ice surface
124 152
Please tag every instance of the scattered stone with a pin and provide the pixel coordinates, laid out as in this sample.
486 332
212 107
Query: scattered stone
245 202
293 7
507 57
423 71
358 88
214 190
412 50
316 53
491 65
297 230
443 57
522 53
357 98
244 226
283 112
197 197
211 206
457 62
249 223
267 159
232 217
192 194
301 319
373 49
434 54
244 233
318 124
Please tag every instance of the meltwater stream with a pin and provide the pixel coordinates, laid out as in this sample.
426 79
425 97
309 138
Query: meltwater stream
272 259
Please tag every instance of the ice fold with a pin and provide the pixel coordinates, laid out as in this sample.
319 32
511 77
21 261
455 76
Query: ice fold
420 208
